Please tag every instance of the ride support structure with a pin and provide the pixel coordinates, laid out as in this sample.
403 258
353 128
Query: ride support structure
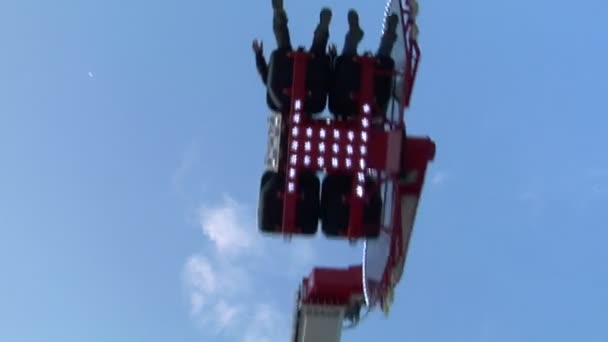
332 146
362 147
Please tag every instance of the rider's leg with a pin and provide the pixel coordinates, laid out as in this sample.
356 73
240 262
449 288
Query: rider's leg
279 25
354 34
321 36
389 37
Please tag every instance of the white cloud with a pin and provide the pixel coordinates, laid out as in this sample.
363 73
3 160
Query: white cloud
197 300
232 284
439 178
91 74
226 314
263 326
188 160
201 275
214 292
223 226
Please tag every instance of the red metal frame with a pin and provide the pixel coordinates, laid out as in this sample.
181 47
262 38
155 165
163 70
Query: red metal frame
348 147
332 286
298 96
412 54
387 151
420 151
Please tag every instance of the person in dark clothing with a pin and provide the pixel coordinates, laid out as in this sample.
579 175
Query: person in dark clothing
283 40
355 34
347 73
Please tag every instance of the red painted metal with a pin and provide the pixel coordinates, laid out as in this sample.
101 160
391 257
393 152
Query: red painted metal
336 286
366 102
351 147
420 151
298 96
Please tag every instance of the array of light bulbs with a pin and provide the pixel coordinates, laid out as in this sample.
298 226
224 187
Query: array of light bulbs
328 138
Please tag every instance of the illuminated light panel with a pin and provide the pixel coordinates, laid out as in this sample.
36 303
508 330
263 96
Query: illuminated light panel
364 136
306 160
365 122
291 187
294 145
366 108
359 191
296 118
362 164
298 104
360 177
322 133
321 147
363 150
292 173
295 131
349 163
307 146
349 149
293 160
336 134
309 132
334 162
321 161
335 148
351 135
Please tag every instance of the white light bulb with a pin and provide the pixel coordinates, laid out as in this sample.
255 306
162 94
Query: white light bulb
349 149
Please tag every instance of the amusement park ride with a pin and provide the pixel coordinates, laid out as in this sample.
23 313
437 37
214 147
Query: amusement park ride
373 174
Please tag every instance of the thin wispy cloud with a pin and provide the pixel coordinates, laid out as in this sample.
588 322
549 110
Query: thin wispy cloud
223 282
223 226
438 178
188 161
263 326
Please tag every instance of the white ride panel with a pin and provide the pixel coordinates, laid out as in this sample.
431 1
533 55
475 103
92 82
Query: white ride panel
319 323
273 148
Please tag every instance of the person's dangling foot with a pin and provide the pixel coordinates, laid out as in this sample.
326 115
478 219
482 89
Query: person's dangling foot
354 34
389 37
325 19
353 25
391 23
277 5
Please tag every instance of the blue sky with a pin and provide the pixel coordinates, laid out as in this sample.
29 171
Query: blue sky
132 137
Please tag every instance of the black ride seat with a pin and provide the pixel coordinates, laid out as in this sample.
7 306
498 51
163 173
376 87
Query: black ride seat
317 83
280 78
383 82
335 209
270 207
347 82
